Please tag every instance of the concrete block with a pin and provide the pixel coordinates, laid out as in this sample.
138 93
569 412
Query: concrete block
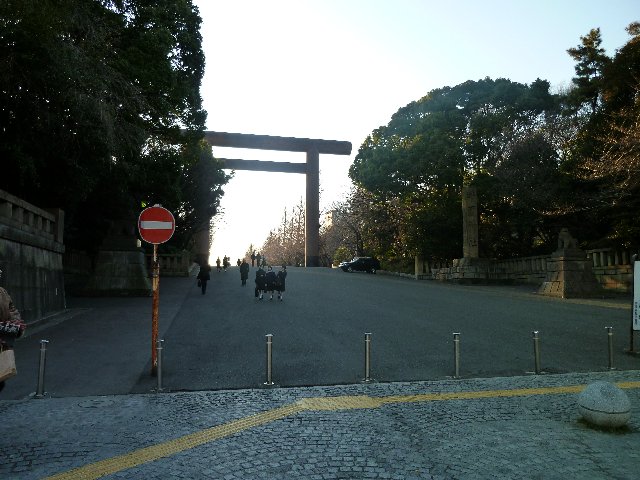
605 405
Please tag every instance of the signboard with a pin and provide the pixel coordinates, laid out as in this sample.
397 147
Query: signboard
636 296
156 224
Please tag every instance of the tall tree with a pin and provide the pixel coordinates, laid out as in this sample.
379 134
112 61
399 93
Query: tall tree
607 161
286 244
591 62
432 147
95 97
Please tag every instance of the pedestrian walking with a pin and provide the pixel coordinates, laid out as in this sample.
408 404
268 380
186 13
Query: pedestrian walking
258 260
225 263
282 275
253 259
204 275
261 283
11 324
218 264
244 272
271 280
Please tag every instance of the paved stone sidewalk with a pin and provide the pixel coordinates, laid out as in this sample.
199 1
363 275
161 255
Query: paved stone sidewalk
515 427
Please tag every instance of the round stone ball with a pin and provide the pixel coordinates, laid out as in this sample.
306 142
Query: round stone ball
605 405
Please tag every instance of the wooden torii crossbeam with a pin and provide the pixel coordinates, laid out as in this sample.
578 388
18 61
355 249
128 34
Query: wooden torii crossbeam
312 147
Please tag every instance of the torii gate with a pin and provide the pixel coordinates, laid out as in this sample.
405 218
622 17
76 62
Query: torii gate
313 148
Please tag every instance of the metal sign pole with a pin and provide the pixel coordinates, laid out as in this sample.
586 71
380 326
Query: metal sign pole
155 276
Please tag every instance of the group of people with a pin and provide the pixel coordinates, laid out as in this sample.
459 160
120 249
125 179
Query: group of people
225 263
270 281
259 260
267 281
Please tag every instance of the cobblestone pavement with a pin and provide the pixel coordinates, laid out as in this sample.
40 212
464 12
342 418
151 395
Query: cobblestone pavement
516 427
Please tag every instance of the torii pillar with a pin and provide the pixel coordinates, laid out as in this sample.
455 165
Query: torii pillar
312 147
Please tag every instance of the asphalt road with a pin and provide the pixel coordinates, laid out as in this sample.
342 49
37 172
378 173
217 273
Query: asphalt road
217 340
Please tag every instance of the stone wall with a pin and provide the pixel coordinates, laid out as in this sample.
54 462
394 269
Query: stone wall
31 248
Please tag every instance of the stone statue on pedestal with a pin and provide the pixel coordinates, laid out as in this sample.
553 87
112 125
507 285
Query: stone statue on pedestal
569 273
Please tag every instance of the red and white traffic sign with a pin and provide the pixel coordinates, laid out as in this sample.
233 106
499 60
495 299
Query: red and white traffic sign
156 224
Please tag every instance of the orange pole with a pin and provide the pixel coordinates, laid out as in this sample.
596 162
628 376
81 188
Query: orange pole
155 279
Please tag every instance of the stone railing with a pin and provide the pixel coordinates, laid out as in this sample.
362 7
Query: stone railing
172 264
612 268
31 260
607 257
31 225
520 270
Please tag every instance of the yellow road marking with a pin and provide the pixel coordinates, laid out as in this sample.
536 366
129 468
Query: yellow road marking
186 442
165 449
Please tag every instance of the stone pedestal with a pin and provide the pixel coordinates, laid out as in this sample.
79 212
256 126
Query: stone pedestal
120 267
472 270
569 275
420 268
118 273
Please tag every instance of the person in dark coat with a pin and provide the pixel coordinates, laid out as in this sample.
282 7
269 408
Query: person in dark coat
244 272
261 283
271 280
258 259
282 275
253 259
204 275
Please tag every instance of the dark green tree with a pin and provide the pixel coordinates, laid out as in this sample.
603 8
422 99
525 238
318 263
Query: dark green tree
591 61
606 161
451 137
100 108
198 196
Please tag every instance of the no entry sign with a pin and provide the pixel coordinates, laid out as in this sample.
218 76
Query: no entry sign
156 224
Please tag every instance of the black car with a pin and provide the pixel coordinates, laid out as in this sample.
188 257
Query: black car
361 264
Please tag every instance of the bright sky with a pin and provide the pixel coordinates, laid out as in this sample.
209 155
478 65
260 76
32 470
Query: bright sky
338 69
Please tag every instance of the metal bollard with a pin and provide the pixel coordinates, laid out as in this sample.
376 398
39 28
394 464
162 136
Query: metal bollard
536 350
367 357
269 350
159 357
43 359
610 339
456 354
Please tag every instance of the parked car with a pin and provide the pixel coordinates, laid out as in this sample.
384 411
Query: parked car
361 264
